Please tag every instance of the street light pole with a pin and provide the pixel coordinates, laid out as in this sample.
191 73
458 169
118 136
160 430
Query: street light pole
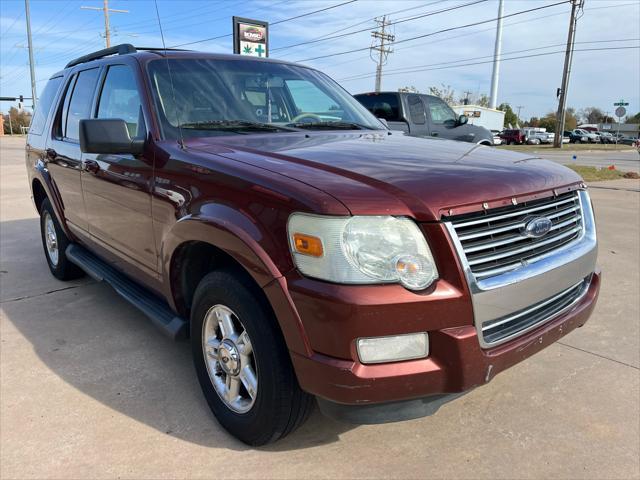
31 64
493 100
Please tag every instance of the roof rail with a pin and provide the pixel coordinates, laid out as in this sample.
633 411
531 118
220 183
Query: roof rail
122 49
162 49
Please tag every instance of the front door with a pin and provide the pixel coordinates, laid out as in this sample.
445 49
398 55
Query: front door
117 188
443 121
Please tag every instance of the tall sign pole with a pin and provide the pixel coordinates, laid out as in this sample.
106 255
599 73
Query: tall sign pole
493 101
620 112
30 46
562 91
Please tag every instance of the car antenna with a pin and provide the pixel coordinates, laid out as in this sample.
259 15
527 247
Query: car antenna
173 91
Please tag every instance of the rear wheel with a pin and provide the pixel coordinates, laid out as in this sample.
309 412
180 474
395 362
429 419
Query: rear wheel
242 362
55 243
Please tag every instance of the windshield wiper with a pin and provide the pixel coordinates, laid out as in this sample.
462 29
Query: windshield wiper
234 125
331 125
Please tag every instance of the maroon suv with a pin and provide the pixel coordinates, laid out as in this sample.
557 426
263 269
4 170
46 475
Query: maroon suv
308 251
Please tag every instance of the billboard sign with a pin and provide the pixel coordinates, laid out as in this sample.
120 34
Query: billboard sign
250 37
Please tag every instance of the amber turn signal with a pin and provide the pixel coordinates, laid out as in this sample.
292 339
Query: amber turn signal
308 245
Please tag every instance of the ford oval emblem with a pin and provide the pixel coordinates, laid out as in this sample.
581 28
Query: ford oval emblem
536 227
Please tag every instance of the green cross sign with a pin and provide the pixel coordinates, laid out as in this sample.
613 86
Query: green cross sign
621 103
260 50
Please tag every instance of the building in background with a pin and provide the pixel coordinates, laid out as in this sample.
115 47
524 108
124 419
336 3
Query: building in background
482 116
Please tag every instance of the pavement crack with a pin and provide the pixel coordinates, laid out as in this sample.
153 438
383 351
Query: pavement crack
27 297
598 355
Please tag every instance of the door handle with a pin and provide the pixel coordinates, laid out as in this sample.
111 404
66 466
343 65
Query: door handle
434 134
91 166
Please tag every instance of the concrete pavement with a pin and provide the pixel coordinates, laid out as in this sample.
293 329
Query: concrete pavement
89 389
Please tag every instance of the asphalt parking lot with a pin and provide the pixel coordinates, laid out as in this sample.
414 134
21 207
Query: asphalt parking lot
90 389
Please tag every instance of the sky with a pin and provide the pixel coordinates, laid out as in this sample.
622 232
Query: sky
606 64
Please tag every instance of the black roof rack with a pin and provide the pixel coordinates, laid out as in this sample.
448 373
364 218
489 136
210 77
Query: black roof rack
121 49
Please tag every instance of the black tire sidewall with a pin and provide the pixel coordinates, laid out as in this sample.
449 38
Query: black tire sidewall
63 270
268 418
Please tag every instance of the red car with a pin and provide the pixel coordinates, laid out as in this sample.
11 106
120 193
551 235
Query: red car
514 136
308 252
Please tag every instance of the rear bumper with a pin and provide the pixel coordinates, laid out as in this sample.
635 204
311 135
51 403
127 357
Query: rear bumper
456 363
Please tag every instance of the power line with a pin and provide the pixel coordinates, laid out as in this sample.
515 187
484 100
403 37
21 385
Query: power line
273 23
389 23
413 68
439 31
504 59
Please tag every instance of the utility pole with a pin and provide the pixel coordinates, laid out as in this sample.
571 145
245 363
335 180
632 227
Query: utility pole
106 10
519 107
466 97
383 52
31 63
493 100
568 57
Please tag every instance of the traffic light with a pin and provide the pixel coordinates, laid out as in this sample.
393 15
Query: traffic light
21 99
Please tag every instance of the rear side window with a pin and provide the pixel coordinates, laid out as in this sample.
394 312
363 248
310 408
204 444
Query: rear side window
45 102
416 109
120 98
382 105
80 104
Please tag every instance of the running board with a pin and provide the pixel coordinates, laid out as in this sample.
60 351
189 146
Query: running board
174 326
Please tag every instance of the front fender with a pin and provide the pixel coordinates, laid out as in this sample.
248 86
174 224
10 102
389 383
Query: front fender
40 173
243 239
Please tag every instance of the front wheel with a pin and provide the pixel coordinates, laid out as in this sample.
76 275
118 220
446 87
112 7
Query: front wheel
242 362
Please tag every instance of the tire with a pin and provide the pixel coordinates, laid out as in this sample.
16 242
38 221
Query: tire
55 243
278 405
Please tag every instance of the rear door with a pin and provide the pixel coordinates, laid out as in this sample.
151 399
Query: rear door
63 149
117 188
385 105
417 115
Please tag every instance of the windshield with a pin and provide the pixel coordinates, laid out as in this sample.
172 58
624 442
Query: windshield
223 97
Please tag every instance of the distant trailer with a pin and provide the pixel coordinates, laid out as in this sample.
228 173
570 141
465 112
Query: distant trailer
482 116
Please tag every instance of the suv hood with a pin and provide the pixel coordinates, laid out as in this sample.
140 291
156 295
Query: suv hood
390 173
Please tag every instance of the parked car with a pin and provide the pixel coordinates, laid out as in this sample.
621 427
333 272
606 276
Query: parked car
606 137
513 136
420 115
581 134
575 137
497 140
536 137
309 252
628 141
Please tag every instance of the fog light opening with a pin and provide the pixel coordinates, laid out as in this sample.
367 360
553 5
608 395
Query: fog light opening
395 348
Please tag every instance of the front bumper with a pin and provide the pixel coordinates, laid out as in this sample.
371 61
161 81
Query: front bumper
456 362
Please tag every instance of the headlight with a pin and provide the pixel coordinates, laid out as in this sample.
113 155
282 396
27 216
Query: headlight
361 250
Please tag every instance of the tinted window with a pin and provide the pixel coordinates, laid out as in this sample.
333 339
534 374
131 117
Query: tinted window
120 98
45 102
440 112
80 104
382 105
416 109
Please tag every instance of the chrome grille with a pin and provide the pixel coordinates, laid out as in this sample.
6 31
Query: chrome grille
503 328
492 240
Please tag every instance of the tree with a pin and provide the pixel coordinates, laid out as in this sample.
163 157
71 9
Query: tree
510 118
408 89
570 119
446 93
592 115
533 122
19 118
483 100
548 122
634 119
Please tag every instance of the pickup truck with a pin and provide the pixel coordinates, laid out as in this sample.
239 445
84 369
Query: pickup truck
420 115
308 253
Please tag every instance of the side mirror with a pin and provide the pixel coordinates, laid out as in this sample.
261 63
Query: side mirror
462 119
108 135
383 121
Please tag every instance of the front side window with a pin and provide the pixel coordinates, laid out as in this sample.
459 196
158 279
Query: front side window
120 98
45 102
440 112
206 97
80 104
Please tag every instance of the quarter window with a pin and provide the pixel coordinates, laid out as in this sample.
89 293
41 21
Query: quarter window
80 104
44 105
440 112
120 98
